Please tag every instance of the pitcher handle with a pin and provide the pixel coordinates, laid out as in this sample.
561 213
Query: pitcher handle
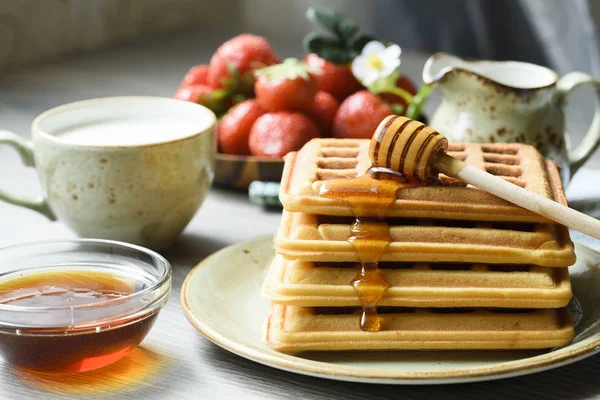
579 155
24 149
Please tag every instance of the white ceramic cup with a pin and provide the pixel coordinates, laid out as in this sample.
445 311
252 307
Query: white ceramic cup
133 169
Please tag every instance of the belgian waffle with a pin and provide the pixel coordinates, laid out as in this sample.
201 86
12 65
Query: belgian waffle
299 283
444 266
295 329
310 237
449 198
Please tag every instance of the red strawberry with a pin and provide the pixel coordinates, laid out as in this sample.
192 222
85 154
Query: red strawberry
234 128
196 75
403 82
276 134
204 95
359 115
334 79
323 111
240 56
290 86
194 93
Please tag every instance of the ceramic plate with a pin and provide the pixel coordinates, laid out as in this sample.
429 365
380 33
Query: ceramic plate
221 298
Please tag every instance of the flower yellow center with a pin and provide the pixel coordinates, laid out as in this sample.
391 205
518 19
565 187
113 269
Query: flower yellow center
374 62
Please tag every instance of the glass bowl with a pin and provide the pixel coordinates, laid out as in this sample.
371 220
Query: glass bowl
84 335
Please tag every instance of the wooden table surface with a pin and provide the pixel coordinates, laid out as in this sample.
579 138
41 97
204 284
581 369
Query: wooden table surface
175 361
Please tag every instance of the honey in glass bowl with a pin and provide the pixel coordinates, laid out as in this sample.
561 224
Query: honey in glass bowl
77 305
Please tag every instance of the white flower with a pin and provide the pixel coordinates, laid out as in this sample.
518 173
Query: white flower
376 61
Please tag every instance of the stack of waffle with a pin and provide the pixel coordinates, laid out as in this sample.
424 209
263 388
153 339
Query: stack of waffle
439 266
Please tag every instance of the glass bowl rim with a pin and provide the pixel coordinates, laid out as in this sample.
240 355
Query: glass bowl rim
164 278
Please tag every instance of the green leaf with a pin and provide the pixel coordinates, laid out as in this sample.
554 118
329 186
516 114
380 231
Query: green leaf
219 94
347 29
236 82
328 19
328 48
238 98
352 54
315 43
336 55
217 105
233 71
361 41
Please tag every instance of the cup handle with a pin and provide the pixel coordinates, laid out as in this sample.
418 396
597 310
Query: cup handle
579 155
24 149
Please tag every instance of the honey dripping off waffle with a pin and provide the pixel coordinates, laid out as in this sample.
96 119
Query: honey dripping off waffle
368 194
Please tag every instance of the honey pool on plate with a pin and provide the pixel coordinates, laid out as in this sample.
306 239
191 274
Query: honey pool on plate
70 348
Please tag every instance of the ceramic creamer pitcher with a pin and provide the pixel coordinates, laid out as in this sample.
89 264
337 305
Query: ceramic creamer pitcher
509 101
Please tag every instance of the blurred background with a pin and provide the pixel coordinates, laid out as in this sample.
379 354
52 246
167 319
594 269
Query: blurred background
54 52
58 51
557 33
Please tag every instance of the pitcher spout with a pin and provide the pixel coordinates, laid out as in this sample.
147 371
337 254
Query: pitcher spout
505 75
440 64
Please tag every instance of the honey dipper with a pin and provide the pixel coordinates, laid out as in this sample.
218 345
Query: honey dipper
418 151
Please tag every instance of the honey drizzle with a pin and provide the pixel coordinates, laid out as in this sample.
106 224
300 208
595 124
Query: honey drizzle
368 195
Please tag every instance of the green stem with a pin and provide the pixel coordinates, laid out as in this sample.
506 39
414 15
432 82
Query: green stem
401 92
387 84
416 107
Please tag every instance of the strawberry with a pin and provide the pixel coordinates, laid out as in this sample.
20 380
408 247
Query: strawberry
336 80
232 64
234 128
196 76
323 110
288 86
276 134
359 115
194 93
204 95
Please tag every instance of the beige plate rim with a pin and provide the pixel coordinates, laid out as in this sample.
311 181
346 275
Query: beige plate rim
321 369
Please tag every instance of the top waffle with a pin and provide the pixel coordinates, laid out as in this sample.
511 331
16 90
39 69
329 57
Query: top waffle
450 198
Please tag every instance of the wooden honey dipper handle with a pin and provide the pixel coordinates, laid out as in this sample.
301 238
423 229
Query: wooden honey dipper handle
418 151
